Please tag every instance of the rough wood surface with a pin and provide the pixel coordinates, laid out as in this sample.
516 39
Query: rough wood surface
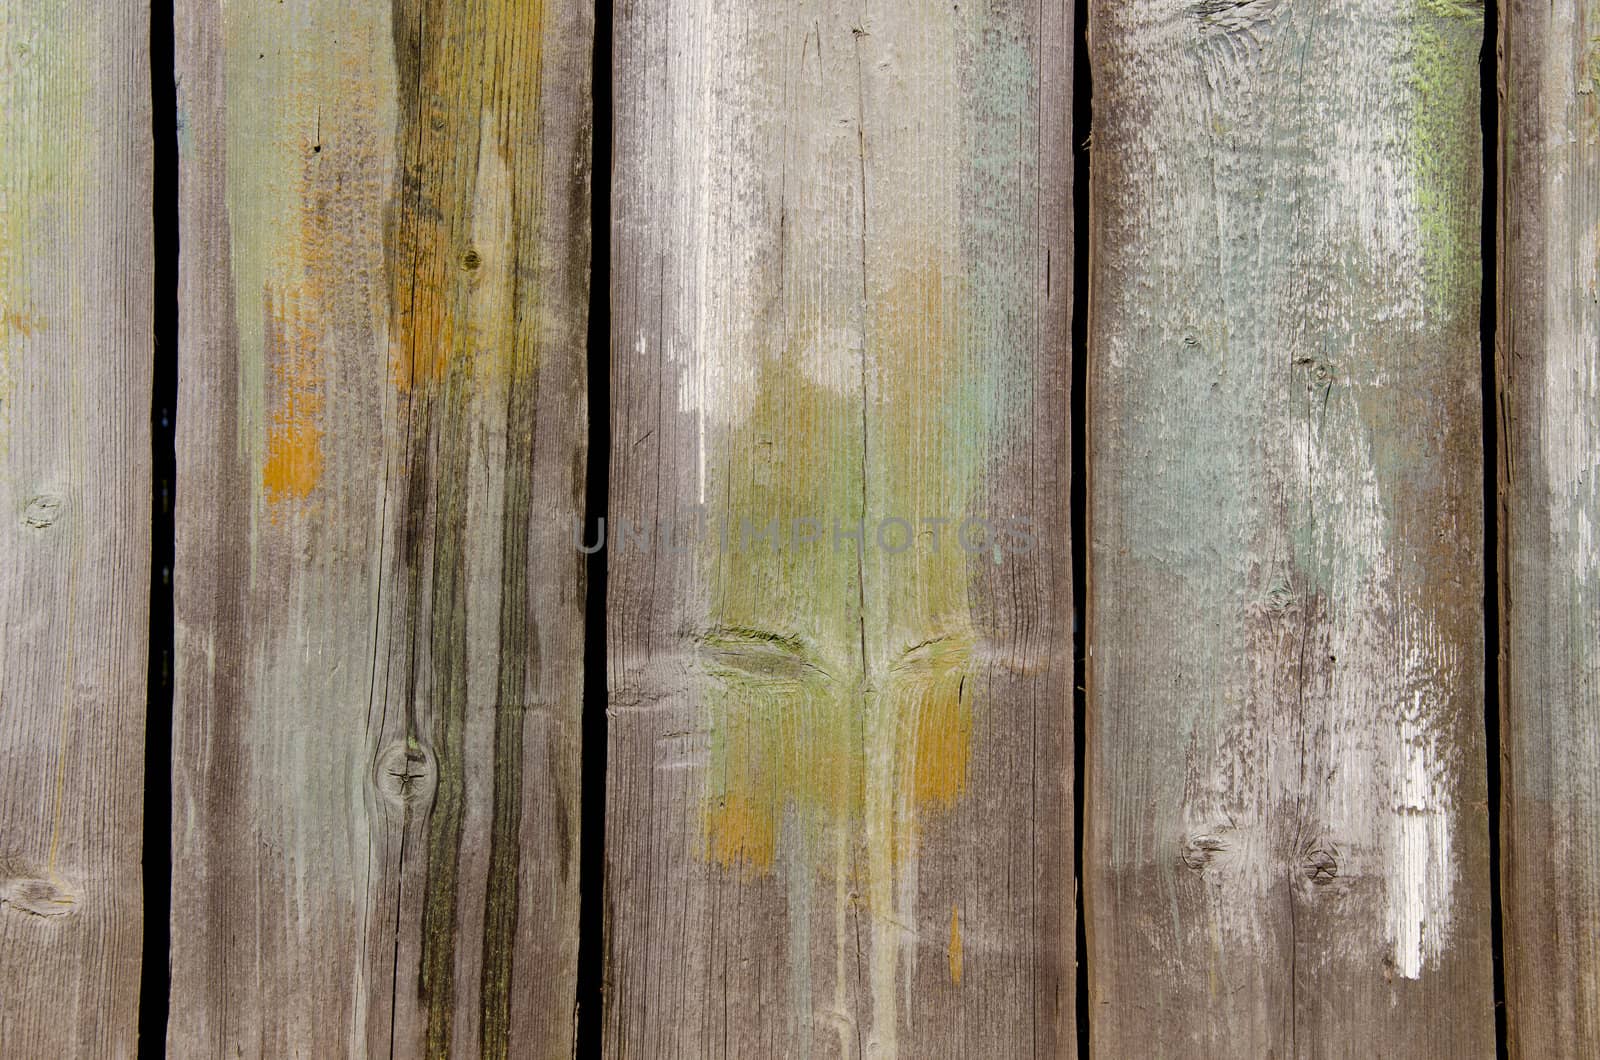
839 807
1287 824
379 618
1549 362
76 343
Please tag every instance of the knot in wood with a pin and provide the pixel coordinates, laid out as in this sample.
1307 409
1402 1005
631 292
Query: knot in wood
37 897
42 511
1320 864
1200 850
406 774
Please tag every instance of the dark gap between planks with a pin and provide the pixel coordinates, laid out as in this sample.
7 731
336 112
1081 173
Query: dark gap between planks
1489 107
156 873
592 845
1082 126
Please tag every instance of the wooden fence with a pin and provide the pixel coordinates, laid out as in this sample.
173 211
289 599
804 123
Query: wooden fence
801 752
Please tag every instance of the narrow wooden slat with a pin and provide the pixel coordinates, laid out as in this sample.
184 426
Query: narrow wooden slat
1549 364
839 801
379 618
1287 822
76 345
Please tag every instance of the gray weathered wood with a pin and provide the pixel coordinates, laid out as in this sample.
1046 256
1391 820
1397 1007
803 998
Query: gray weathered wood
840 812
1287 840
76 348
1549 363
379 618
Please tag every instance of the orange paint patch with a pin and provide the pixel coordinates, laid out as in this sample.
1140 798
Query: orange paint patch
294 462
294 458
954 950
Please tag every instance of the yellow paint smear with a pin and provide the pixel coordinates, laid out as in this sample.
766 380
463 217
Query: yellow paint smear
464 120
955 945
16 322
294 461
738 832
941 747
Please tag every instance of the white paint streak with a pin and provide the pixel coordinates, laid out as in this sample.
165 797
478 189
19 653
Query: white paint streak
1419 882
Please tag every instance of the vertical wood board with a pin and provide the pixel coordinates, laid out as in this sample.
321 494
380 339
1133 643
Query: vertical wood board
839 794
1287 849
1549 365
381 434
76 349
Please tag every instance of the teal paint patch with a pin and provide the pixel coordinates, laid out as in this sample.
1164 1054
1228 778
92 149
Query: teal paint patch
999 197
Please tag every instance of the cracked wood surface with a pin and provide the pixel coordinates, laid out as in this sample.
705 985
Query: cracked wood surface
839 817
1287 849
1549 365
384 281
76 335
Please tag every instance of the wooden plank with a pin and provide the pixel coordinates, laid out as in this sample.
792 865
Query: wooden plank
1549 366
1287 824
76 343
839 816
379 618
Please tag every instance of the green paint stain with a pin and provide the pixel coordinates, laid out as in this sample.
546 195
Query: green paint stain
1446 36
838 696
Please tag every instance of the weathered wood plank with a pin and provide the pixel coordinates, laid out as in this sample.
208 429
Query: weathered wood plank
839 817
1549 365
379 618
76 343
1287 838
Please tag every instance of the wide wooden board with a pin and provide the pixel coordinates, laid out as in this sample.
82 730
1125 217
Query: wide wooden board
1287 844
839 797
76 356
381 430
1549 364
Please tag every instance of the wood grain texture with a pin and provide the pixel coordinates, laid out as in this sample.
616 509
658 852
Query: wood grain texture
384 285
76 344
1287 824
839 795
1549 365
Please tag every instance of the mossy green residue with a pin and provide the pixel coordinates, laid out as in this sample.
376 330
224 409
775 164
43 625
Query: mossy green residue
839 698
1446 36
471 162
783 649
